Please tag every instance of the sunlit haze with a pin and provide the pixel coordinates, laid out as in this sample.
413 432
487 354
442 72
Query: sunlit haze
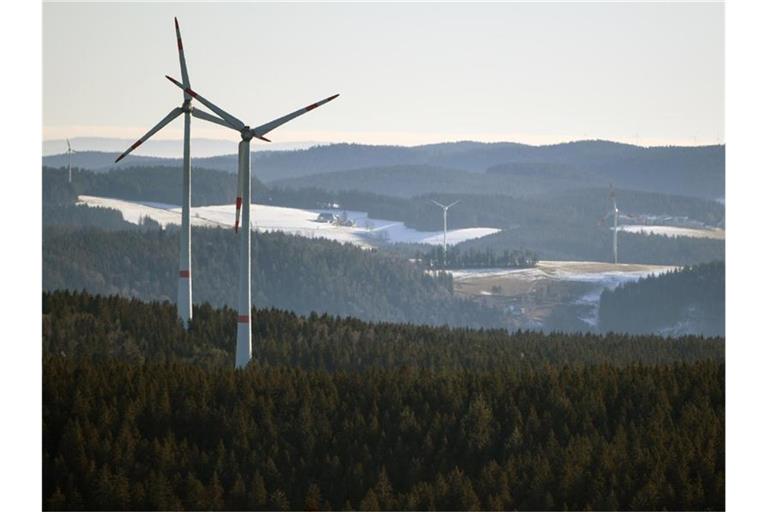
408 74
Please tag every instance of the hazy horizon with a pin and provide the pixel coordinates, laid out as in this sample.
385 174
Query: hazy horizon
408 74
203 147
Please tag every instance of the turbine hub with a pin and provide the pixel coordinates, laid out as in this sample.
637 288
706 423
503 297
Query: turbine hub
246 133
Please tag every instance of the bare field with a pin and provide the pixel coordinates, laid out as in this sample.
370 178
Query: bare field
552 292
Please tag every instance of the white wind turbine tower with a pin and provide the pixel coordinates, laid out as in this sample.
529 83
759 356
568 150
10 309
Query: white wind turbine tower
615 213
243 350
445 227
69 160
184 297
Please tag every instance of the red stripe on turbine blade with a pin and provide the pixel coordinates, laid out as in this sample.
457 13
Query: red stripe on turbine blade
184 273
181 48
243 319
238 202
311 107
136 144
190 92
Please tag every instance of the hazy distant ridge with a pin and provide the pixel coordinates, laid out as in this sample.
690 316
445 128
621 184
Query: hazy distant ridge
697 171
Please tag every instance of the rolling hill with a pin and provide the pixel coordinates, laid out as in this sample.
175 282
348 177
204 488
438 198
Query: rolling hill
692 171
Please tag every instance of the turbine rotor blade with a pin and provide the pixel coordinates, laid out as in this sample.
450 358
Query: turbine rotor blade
167 119
438 204
239 200
264 129
231 120
182 60
202 114
453 204
69 147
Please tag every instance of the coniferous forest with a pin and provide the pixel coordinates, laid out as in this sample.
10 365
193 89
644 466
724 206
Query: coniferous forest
338 413
691 296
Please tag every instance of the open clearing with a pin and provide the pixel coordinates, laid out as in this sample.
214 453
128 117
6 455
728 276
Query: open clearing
552 291
674 231
366 232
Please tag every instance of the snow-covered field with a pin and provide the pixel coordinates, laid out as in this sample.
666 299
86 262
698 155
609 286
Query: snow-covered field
582 271
675 231
592 278
366 232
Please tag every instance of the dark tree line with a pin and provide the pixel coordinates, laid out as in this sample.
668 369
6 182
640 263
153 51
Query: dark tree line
685 299
339 414
456 258
80 325
160 184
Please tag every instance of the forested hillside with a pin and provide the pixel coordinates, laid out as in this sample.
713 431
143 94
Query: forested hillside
414 180
561 225
692 298
81 325
694 171
152 184
576 243
564 225
288 272
342 414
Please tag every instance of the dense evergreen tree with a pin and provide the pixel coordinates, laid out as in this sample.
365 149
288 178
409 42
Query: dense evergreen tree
139 413
81 325
691 298
456 258
175 436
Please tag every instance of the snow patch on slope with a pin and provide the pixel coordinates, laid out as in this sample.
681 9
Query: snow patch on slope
366 232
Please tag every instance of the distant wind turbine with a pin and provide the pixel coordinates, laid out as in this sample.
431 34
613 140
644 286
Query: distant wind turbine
243 350
615 213
445 227
184 297
69 160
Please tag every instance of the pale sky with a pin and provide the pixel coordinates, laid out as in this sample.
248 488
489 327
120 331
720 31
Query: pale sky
408 73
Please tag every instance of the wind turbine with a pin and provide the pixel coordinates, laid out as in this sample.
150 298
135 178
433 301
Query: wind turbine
243 350
615 213
445 227
184 297
69 160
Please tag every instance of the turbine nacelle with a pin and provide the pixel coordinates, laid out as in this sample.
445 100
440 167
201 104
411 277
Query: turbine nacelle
246 133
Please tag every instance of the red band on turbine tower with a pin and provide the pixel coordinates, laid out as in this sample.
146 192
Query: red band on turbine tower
243 319
238 203
184 273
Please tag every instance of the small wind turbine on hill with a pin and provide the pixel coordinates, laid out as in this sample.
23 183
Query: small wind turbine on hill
615 212
243 350
184 297
69 160
445 228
